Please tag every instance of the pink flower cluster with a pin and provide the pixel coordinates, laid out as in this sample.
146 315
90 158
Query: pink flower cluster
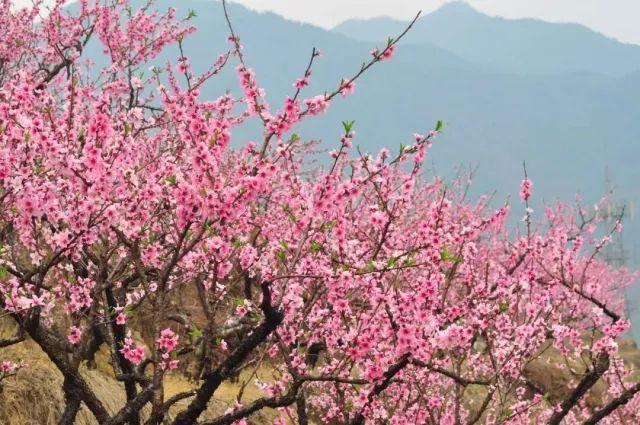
317 105
132 352
8 367
75 334
385 53
525 189
347 87
166 343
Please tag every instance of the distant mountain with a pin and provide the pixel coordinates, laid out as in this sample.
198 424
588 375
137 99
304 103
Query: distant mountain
561 97
524 46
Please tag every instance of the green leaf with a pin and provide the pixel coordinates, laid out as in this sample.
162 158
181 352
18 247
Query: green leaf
172 179
348 125
192 14
291 216
281 255
238 301
409 262
4 273
236 242
503 306
389 41
439 125
315 247
284 244
446 255
195 333
327 225
391 263
38 169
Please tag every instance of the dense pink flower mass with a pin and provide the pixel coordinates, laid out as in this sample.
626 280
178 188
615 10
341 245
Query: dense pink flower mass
374 293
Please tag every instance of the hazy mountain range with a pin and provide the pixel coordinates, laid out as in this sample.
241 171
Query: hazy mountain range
560 96
524 46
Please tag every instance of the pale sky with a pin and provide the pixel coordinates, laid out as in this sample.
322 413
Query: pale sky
619 19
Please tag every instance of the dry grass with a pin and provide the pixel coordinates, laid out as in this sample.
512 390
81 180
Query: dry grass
35 397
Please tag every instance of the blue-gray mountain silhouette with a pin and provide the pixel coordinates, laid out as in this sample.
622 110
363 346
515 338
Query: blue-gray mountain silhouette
524 46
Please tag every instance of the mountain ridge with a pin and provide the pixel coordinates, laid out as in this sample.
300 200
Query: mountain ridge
491 41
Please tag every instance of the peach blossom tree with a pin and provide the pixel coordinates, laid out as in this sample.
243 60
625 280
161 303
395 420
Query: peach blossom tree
373 293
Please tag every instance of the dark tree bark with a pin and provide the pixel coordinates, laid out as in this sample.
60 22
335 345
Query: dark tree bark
72 406
272 320
381 386
56 350
621 400
590 378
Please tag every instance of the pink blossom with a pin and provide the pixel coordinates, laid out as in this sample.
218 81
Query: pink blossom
301 83
134 354
167 341
248 255
385 53
75 333
525 189
121 318
347 87
317 105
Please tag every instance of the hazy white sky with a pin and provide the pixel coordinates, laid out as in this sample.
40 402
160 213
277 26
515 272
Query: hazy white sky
616 18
